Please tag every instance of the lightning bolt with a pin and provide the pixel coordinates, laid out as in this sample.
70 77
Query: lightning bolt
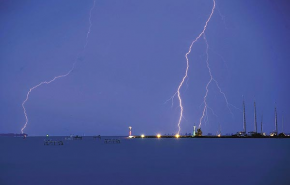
90 22
31 89
212 79
187 67
204 112
60 76
227 70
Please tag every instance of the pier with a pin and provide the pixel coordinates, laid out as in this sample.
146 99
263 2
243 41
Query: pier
232 136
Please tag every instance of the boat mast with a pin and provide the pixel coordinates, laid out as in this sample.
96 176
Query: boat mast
244 116
255 117
262 124
282 123
276 121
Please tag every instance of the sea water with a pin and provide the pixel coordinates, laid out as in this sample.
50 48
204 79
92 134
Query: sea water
144 161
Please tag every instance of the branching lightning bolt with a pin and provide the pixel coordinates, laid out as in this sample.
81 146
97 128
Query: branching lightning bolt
187 67
56 77
204 112
212 79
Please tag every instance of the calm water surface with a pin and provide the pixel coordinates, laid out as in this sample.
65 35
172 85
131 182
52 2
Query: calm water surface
145 161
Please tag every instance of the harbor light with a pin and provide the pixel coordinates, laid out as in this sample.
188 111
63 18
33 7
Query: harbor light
177 135
46 135
158 136
142 136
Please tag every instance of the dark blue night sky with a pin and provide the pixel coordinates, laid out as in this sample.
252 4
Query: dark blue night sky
134 62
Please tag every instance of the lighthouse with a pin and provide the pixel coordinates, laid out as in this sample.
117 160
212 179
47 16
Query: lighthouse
193 133
130 132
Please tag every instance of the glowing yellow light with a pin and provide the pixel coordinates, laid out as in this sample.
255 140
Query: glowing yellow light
158 136
177 135
142 135
219 135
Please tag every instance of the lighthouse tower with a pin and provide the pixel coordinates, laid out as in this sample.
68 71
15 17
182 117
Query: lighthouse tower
130 131
193 133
